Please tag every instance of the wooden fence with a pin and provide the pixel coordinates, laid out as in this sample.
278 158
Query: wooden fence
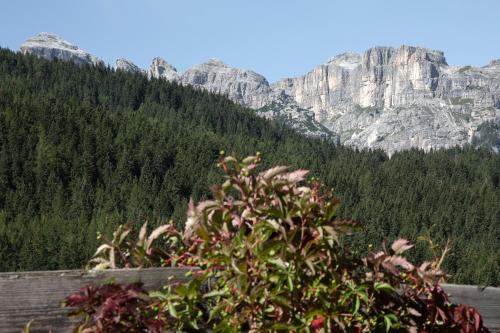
38 295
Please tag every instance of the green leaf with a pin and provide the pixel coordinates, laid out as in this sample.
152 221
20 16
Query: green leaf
363 295
273 211
385 287
312 313
283 301
171 310
194 324
356 305
290 282
278 262
275 278
158 294
215 293
215 311
182 290
387 323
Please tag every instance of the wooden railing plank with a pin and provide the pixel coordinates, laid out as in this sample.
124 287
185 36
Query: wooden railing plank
38 295
486 300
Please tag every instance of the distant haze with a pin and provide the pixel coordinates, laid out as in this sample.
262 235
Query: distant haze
277 38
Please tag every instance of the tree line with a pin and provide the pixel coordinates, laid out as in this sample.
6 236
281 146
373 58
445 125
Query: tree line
86 148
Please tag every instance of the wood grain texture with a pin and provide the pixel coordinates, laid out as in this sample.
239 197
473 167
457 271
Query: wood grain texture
487 301
38 295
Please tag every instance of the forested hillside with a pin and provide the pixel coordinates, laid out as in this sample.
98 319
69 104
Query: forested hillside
83 149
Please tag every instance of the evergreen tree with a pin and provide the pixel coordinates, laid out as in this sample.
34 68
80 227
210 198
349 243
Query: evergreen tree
83 149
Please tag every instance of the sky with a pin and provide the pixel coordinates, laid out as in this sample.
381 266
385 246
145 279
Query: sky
276 38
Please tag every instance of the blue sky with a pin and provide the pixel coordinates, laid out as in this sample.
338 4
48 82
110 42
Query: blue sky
277 38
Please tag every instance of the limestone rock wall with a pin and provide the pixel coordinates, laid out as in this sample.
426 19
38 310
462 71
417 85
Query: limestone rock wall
388 98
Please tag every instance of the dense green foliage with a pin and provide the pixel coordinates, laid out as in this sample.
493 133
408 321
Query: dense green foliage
269 255
87 148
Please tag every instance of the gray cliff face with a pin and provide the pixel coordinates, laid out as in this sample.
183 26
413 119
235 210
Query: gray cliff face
162 69
397 99
242 86
381 77
50 47
128 66
388 98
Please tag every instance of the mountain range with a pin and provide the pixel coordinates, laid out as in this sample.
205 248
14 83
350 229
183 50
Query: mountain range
388 98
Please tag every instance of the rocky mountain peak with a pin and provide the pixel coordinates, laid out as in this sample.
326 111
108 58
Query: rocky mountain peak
48 39
377 56
415 54
388 98
382 55
398 98
128 66
216 62
51 46
242 86
162 69
346 60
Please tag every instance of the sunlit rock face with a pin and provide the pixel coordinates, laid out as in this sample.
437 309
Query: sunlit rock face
387 98
242 86
161 69
51 46
397 99
128 66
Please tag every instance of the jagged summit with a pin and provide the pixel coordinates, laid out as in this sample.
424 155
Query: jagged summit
215 62
128 66
346 60
384 55
393 98
398 98
242 86
47 39
422 53
161 69
51 46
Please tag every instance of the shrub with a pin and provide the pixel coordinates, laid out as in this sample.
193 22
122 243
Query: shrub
271 256
116 308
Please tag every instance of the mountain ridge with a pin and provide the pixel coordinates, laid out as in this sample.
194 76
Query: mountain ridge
389 98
